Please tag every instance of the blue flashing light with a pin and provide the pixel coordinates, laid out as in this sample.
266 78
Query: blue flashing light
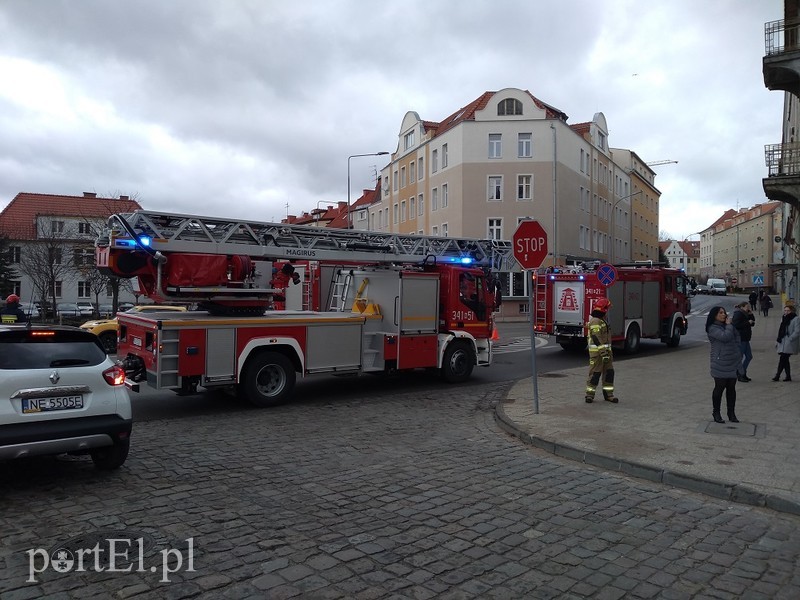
581 277
466 260
552 277
144 240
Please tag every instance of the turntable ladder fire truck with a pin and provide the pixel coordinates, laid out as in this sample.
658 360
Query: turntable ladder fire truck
393 302
649 301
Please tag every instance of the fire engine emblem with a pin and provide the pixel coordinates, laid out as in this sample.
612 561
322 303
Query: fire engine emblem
568 300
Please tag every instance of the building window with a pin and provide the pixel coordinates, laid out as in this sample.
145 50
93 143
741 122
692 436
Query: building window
421 206
444 195
434 199
83 257
495 145
583 238
408 140
434 230
57 286
524 187
396 214
434 161
444 229
84 289
56 226
402 177
509 106
420 169
55 255
524 145
396 178
14 254
601 140
16 287
412 173
495 188
495 229
444 156
109 289
412 207
386 186
84 228
403 211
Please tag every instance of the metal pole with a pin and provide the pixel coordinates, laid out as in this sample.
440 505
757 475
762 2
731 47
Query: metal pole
528 275
349 216
555 198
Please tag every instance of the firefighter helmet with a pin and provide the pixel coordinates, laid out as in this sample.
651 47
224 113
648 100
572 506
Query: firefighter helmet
602 305
12 299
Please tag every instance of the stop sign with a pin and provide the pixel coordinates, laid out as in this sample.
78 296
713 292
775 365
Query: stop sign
530 244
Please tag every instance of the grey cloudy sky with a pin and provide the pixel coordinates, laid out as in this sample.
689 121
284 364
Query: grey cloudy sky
236 108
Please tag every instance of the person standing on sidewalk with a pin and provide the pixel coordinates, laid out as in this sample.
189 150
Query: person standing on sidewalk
726 358
753 298
766 304
601 363
744 320
788 340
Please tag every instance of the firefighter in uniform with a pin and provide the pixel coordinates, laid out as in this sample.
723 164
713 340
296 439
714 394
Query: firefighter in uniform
601 365
280 281
12 313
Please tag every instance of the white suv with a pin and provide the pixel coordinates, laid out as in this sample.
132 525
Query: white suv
59 392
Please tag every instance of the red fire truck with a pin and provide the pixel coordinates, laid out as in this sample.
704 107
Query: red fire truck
391 302
649 301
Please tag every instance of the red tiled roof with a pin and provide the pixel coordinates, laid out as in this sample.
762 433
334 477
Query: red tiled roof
467 113
690 248
581 128
18 219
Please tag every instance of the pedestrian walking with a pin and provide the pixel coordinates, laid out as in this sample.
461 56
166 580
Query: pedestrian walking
743 320
788 340
766 304
753 298
601 364
726 358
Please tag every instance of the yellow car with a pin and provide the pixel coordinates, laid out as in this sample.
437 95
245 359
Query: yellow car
106 329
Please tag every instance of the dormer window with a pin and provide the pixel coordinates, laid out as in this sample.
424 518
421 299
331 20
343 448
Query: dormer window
509 106
408 140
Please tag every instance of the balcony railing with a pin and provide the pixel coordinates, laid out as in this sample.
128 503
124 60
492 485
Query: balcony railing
783 159
782 36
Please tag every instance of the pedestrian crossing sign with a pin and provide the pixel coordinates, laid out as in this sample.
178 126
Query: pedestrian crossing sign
758 280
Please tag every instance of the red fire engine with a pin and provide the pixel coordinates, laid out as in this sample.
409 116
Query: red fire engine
391 302
649 301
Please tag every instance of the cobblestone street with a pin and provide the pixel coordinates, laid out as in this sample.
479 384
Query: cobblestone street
406 494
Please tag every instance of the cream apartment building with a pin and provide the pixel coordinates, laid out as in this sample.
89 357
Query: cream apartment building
507 156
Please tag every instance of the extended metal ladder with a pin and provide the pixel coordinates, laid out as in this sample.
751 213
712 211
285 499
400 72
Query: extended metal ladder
168 232
340 288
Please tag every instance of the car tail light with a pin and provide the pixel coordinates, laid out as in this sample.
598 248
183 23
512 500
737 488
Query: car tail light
114 375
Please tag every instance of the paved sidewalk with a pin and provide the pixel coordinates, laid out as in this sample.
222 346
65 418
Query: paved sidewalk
662 428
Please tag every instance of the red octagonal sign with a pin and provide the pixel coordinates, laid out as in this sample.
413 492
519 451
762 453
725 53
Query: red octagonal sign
530 244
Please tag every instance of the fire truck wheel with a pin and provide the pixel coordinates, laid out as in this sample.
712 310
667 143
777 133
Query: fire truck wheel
267 380
675 339
109 342
457 362
632 339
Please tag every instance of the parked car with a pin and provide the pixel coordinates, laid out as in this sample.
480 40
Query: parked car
67 309
123 306
717 287
105 311
106 329
30 309
702 289
86 308
60 392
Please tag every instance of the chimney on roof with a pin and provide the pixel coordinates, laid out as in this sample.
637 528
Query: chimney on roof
90 194
124 197
342 205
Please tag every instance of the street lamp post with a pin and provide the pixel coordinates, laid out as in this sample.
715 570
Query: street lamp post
349 216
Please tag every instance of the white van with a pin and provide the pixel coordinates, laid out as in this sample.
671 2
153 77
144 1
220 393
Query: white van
717 287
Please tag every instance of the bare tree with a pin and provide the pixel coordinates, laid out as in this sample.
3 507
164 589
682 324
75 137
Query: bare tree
665 236
8 273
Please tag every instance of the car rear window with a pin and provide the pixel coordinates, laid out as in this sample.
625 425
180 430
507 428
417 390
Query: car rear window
43 349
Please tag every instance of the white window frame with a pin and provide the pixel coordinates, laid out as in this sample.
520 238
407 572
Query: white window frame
444 230
434 161
402 211
434 199
495 145
524 145
524 188
494 228
420 168
421 205
494 188
445 188
444 156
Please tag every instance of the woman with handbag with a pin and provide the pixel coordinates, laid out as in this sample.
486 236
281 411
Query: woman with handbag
788 340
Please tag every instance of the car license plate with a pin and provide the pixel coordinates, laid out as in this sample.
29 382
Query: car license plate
37 405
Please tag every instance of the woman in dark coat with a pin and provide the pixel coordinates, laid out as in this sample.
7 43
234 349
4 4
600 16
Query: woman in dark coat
726 356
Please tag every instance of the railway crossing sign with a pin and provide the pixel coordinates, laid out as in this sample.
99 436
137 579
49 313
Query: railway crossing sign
530 244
